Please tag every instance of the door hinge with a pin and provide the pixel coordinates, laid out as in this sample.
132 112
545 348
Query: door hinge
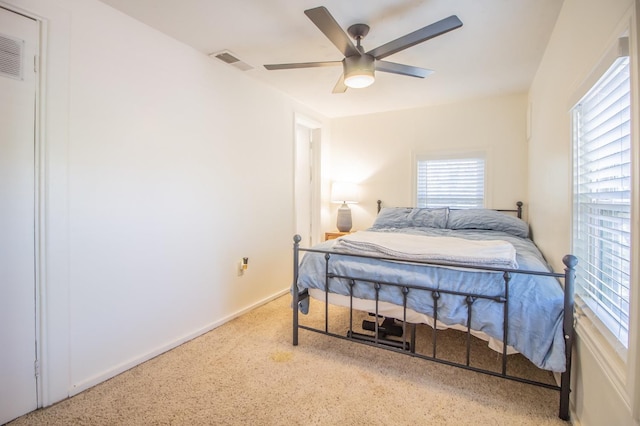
36 368
35 64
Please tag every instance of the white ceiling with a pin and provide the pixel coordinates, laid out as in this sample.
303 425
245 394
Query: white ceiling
497 50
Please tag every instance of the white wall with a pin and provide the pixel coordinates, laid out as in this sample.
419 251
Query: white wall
376 150
163 170
584 31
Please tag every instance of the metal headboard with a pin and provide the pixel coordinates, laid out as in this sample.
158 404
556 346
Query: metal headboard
517 210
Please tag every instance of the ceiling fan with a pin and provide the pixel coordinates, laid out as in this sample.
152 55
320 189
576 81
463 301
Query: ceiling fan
359 66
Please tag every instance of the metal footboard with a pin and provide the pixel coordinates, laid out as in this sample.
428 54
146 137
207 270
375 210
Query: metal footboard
407 345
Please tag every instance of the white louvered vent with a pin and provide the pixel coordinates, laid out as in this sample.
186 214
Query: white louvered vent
11 57
231 59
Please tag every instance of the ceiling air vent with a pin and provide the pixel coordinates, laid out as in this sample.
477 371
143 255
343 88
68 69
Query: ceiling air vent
229 58
11 57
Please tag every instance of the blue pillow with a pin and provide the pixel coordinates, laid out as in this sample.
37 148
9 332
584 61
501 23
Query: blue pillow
407 217
487 219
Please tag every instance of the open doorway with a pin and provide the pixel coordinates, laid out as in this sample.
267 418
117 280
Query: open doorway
308 134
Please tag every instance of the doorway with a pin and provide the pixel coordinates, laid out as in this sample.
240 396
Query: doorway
19 37
308 135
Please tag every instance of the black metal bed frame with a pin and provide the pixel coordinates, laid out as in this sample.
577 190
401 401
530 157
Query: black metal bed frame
408 347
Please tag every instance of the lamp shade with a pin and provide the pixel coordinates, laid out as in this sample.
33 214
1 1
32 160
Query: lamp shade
344 192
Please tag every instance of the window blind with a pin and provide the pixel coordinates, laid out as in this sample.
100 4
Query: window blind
456 183
602 198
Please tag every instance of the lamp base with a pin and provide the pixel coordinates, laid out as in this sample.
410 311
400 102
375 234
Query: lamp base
344 218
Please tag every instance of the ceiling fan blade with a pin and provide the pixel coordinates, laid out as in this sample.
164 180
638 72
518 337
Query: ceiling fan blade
330 28
340 87
272 67
402 69
418 36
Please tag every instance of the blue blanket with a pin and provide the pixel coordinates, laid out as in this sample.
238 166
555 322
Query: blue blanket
536 302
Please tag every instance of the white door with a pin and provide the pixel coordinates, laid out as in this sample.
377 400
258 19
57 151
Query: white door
18 44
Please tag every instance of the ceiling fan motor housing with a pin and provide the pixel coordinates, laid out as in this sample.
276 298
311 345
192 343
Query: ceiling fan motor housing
359 70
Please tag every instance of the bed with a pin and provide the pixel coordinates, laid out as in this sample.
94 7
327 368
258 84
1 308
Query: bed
472 270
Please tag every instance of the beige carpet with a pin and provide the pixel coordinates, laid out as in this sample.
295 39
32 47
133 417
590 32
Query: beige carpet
247 372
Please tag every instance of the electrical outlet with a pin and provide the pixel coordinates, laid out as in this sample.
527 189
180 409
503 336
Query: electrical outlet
243 265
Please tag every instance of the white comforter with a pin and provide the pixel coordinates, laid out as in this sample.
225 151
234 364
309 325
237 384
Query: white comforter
493 253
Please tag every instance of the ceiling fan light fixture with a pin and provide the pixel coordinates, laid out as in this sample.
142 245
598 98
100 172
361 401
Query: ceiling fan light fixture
359 81
359 71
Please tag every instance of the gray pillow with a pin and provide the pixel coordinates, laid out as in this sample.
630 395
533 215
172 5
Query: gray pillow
489 220
407 217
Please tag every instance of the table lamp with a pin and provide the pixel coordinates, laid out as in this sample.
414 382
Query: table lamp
345 193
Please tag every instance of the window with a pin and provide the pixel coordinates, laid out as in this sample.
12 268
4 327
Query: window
450 182
602 199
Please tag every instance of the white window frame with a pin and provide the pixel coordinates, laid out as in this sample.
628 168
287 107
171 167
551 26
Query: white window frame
624 376
595 305
449 155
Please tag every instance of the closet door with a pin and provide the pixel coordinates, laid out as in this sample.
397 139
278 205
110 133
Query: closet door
18 386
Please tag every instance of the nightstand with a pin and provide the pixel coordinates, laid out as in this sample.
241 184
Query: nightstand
335 234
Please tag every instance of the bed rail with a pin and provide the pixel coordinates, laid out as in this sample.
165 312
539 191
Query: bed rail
408 346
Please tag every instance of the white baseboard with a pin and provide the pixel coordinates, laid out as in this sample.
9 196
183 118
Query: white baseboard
121 368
